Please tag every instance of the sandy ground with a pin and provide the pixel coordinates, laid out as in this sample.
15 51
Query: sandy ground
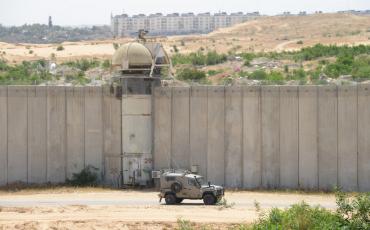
109 209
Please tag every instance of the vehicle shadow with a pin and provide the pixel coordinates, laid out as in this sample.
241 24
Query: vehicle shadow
184 204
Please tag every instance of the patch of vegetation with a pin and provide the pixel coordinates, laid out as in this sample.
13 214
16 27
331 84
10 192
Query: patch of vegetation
87 177
351 214
213 72
199 58
175 49
184 224
60 48
115 46
191 74
26 73
223 203
83 64
300 42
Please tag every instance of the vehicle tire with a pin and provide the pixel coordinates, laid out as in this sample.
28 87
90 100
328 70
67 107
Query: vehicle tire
209 199
170 198
179 200
176 187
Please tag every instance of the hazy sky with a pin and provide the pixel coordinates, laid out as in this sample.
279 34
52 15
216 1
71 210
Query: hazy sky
89 12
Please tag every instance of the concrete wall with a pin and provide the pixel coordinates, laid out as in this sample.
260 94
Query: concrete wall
306 137
47 133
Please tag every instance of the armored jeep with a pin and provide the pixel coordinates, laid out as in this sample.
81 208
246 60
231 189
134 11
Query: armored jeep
177 185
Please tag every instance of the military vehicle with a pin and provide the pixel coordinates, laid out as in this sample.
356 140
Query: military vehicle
177 185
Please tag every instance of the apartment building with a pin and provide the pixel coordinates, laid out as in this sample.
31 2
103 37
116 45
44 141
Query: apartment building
188 23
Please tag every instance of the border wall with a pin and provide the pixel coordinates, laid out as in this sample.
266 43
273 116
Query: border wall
306 137
47 133
295 137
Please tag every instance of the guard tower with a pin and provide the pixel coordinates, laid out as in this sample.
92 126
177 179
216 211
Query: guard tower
138 67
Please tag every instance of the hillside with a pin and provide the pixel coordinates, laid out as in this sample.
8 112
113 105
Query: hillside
276 33
280 33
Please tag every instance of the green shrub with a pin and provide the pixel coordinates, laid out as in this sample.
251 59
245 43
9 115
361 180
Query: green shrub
300 42
175 49
83 64
184 225
115 46
354 213
106 64
351 214
299 216
60 48
87 177
193 74
275 77
198 58
258 75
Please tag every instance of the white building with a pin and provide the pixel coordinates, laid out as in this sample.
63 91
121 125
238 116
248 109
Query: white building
187 23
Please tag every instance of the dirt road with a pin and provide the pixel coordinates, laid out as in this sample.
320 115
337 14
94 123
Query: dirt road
137 210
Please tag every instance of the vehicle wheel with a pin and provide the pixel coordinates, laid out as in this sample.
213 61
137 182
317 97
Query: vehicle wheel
170 199
176 187
179 200
209 199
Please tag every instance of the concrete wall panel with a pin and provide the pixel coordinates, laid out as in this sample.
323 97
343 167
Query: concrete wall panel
180 128
289 137
112 136
347 137
216 130
17 134
94 127
308 147
270 136
327 137
138 104
75 130
162 128
3 135
198 128
56 134
233 137
252 137
37 134
112 175
363 138
135 137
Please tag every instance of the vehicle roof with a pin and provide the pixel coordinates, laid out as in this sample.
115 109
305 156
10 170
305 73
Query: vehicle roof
177 174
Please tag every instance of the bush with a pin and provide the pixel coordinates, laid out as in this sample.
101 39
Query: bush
191 74
353 213
198 58
87 177
258 75
60 48
350 214
299 216
106 64
175 49
83 64
300 42
115 46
